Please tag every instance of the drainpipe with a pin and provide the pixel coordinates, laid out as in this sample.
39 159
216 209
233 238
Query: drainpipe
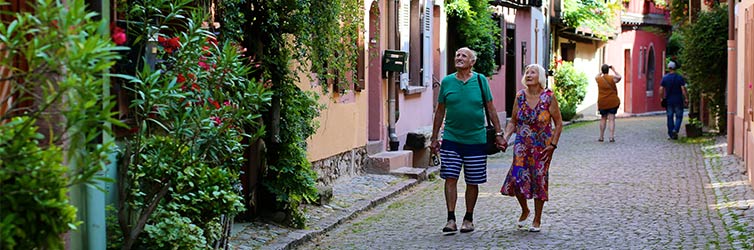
391 88
731 74
94 218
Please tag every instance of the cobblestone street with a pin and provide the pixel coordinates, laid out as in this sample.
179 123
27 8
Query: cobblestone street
640 192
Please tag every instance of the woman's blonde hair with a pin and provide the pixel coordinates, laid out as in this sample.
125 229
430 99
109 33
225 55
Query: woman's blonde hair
542 79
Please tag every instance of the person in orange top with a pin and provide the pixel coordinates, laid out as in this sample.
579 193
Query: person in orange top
607 101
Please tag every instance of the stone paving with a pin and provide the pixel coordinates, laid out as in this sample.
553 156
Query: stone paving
641 192
350 197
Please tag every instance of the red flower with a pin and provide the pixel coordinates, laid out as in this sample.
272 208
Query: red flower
181 78
217 120
204 65
214 103
212 40
169 44
195 86
118 34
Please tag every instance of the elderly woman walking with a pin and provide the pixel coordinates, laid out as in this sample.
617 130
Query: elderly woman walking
534 112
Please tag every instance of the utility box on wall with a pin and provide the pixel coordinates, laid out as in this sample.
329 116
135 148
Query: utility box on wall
394 61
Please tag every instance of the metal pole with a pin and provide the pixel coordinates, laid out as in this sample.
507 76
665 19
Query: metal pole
392 44
391 112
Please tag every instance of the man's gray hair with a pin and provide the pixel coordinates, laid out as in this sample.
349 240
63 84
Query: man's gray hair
471 52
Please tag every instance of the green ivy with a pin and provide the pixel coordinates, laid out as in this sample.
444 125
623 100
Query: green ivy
705 60
289 38
570 89
477 30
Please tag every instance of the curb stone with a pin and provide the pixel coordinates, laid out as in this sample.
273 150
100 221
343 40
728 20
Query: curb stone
733 193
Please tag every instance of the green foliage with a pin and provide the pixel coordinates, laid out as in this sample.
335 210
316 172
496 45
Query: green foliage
679 12
570 89
292 178
60 91
332 48
705 60
674 46
33 198
477 30
320 37
192 109
594 15
174 231
232 18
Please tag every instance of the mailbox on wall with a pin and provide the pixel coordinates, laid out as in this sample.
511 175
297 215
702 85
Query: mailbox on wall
393 61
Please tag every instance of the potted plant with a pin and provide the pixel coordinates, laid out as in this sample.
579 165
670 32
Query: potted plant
693 128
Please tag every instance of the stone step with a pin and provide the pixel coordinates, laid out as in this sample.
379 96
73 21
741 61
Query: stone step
384 162
375 147
414 173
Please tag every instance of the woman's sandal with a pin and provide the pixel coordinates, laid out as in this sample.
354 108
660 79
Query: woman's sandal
521 225
600 140
612 139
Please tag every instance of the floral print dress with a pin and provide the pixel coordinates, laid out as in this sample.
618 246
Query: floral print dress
528 174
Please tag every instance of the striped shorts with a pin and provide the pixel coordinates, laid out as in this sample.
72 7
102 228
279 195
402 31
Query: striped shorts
469 156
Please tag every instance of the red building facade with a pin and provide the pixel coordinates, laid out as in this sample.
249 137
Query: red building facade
640 50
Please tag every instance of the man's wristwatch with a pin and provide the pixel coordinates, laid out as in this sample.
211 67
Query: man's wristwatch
554 146
499 134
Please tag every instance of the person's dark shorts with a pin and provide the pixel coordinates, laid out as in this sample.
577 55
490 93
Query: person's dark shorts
605 112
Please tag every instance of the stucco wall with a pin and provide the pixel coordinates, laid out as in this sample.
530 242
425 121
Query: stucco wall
743 145
587 60
637 99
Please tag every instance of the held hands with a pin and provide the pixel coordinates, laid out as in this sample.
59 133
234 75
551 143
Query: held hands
501 143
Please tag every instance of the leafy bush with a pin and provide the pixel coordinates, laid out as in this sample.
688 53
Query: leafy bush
595 15
477 31
570 89
56 99
33 198
705 60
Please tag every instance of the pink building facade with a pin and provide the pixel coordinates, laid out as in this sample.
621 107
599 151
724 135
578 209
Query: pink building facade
640 57
638 52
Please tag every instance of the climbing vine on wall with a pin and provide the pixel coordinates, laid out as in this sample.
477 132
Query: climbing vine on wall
291 38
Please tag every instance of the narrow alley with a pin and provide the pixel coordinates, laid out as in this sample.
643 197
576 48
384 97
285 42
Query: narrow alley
641 192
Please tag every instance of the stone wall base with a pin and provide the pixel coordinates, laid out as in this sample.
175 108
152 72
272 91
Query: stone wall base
346 164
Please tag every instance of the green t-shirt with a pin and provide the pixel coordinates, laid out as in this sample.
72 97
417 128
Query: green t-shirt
464 111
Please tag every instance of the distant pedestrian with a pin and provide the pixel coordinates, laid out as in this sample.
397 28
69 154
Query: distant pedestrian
608 101
673 91
534 113
464 135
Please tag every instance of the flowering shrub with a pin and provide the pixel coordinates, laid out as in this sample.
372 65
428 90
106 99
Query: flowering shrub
193 106
570 88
